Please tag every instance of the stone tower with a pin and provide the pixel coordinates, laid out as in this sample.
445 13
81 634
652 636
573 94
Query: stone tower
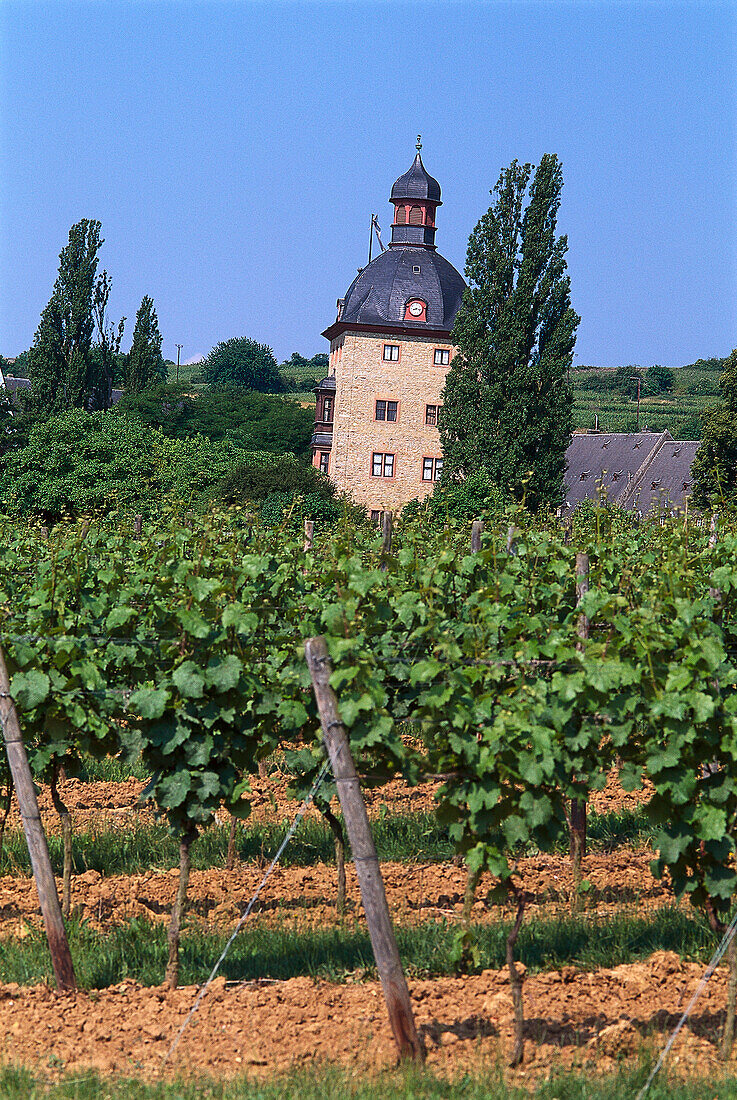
376 433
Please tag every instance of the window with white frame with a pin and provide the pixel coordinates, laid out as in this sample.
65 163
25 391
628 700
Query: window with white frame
431 415
382 465
391 353
441 357
324 461
432 468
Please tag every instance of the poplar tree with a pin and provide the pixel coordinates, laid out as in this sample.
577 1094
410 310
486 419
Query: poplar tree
59 360
507 403
146 368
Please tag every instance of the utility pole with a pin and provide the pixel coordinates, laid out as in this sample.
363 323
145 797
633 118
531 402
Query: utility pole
636 378
179 348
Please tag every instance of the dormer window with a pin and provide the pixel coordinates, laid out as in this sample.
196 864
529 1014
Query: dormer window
415 310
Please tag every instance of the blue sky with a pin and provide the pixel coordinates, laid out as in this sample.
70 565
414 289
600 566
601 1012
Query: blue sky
234 153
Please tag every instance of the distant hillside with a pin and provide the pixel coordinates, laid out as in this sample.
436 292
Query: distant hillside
612 393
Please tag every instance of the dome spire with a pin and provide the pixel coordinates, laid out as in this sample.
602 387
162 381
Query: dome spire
416 197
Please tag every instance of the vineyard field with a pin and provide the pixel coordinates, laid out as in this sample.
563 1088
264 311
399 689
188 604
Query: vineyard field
163 693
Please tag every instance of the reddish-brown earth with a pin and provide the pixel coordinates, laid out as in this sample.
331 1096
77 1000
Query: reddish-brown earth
305 896
111 805
589 1020
573 1017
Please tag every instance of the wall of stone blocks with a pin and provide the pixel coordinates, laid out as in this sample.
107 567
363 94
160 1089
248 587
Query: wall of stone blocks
362 376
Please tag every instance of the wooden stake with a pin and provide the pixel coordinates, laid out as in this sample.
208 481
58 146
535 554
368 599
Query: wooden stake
137 526
309 534
512 536
61 958
477 530
356 820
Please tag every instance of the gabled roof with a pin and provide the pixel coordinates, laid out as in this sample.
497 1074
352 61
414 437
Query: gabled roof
638 470
606 463
667 481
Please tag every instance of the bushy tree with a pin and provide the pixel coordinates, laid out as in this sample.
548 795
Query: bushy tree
714 469
80 462
243 362
473 498
507 404
146 367
260 422
59 360
659 379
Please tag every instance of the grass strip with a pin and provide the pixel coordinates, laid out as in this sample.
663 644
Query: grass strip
330 1083
143 846
138 949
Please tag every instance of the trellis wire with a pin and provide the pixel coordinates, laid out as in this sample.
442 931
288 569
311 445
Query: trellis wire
714 963
293 828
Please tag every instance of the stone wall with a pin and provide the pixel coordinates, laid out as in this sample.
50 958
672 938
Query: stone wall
362 377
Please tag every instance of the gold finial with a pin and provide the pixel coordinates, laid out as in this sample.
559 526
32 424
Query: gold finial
418 147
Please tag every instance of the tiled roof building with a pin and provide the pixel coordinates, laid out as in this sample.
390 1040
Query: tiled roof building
376 419
638 470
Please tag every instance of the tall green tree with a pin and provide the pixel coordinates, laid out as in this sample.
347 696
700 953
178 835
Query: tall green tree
104 357
59 361
507 404
241 361
714 468
146 367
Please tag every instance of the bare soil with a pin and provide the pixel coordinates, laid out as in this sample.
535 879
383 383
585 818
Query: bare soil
305 896
110 805
574 1019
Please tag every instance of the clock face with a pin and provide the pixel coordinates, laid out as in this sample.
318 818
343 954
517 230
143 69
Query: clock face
416 309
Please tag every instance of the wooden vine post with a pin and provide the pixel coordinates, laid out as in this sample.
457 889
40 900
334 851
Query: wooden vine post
61 958
577 827
383 941
309 534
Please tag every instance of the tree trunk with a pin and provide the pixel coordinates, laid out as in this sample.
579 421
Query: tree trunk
171 977
6 811
728 1037
230 857
577 837
465 960
515 981
470 896
66 836
337 830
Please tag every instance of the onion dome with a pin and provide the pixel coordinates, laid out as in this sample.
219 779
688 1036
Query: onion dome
416 184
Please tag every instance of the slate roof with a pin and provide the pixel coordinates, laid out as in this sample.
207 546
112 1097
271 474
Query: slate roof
416 184
14 385
667 481
380 292
638 470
